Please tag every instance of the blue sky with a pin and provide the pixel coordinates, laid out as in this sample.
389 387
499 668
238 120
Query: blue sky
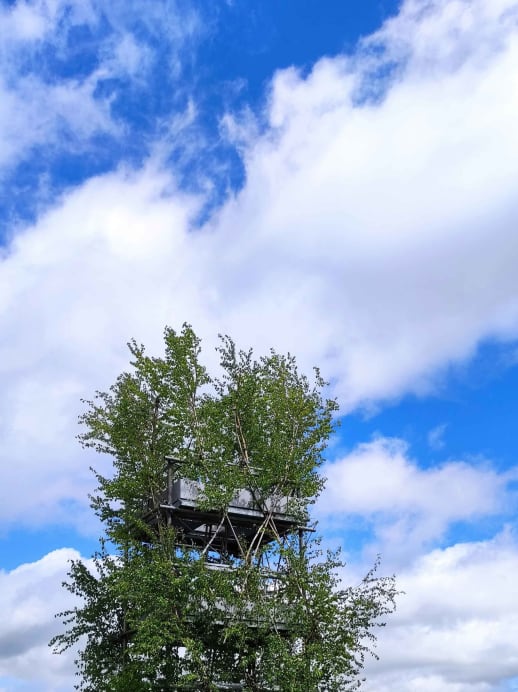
333 179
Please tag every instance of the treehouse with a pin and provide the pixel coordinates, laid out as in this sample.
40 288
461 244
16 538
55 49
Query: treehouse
247 530
251 519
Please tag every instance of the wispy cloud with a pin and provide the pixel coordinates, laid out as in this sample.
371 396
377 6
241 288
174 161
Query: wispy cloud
436 436
65 64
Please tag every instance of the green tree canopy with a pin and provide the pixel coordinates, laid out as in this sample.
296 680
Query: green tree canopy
168 607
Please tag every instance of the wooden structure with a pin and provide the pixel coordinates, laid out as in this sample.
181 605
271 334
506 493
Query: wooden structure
242 531
249 519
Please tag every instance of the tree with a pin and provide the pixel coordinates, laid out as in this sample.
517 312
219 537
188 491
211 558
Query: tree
172 604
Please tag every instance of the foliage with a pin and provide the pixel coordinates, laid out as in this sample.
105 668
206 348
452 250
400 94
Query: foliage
157 614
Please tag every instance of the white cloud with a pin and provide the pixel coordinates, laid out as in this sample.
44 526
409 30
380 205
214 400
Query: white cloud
379 477
377 241
455 629
113 244
71 108
31 595
431 38
436 436
36 110
29 21
456 626
380 238
406 506
41 107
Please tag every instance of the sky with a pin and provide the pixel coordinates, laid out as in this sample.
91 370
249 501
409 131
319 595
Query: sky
334 179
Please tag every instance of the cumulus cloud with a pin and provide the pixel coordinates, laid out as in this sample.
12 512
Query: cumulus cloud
434 38
382 232
32 594
375 238
455 628
457 622
408 507
115 242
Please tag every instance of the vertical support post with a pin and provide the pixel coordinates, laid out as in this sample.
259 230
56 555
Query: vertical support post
171 472
169 482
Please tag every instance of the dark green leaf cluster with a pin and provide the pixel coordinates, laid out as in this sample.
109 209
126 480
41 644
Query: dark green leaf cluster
160 613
